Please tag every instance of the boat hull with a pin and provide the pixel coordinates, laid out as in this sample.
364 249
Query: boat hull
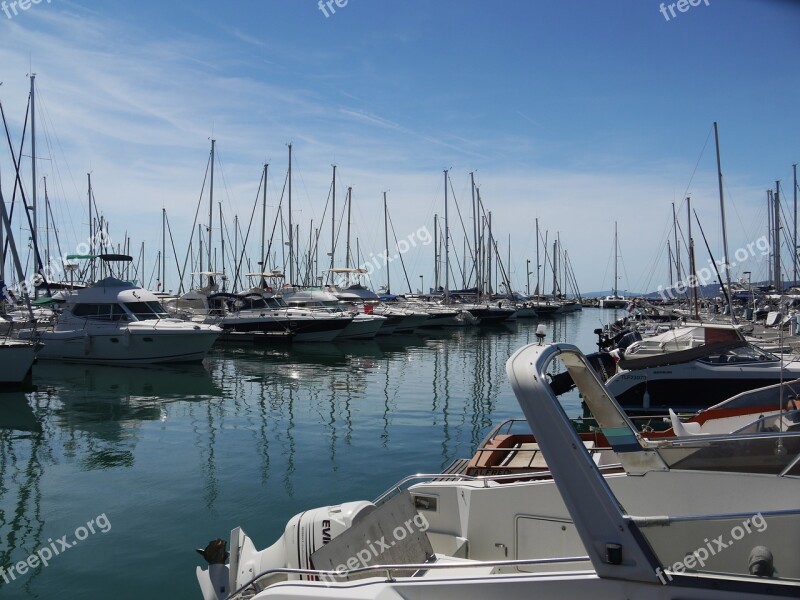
16 360
122 348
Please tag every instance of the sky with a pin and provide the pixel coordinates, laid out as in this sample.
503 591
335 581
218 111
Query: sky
578 113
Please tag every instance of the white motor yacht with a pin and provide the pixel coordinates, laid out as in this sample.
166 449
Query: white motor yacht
117 322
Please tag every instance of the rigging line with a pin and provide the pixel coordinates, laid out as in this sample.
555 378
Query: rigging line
238 262
714 264
278 214
400 254
42 103
174 254
182 271
463 227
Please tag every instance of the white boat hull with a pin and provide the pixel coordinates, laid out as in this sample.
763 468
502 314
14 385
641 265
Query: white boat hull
120 347
16 360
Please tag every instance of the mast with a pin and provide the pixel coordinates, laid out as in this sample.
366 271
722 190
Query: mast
490 291
677 246
692 265
12 246
446 245
616 252
222 246
211 207
475 260
91 223
777 236
347 248
291 231
555 269
538 264
333 225
386 238
262 263
35 208
436 252
794 236
722 213
47 219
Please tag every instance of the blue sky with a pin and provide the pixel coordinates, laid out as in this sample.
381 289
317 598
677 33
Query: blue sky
578 112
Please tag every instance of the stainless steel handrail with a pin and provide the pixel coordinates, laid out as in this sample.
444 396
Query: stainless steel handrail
332 575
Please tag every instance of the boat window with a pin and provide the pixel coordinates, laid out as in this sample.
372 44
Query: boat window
251 303
275 302
99 312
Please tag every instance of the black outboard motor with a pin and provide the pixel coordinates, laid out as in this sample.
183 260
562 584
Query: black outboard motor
627 339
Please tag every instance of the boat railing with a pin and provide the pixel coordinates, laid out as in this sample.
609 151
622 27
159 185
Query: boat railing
392 569
485 480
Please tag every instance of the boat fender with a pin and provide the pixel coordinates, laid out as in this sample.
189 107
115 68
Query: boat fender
761 562
87 342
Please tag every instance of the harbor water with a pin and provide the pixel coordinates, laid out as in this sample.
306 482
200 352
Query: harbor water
113 476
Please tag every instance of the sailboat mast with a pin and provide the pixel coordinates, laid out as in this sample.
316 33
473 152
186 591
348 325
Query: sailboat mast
677 246
446 244
777 224
47 217
538 264
222 246
475 260
291 231
333 225
163 249
91 222
616 256
347 249
211 207
794 236
262 263
722 214
35 208
386 238
692 265
436 252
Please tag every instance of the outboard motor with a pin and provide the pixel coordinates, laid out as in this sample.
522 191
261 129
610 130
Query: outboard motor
628 339
305 533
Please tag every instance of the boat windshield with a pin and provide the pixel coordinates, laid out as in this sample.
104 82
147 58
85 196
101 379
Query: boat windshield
741 354
146 311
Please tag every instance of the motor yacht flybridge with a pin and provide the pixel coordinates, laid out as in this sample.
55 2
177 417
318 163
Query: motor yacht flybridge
701 517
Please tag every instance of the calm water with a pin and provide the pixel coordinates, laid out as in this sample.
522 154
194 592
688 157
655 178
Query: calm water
169 458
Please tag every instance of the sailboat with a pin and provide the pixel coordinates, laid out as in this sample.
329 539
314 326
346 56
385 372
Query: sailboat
614 300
